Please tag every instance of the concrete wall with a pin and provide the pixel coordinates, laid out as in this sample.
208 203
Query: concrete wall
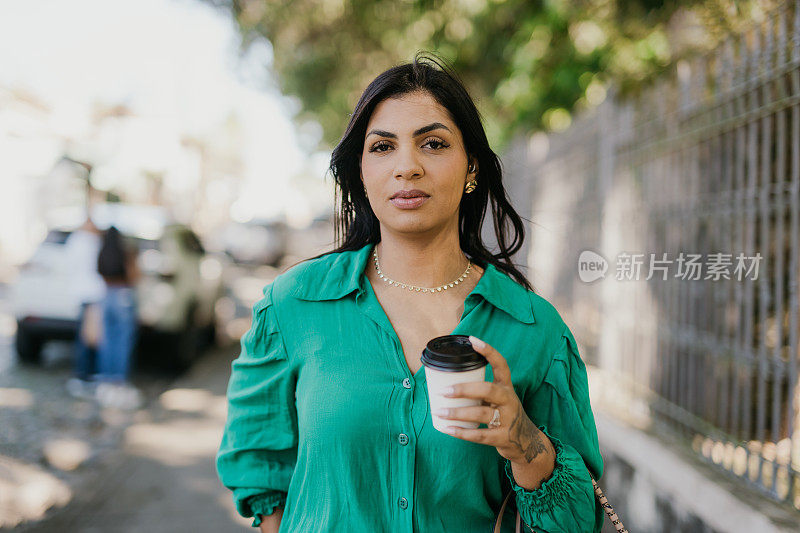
658 488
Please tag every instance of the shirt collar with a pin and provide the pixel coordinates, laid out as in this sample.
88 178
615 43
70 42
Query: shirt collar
334 276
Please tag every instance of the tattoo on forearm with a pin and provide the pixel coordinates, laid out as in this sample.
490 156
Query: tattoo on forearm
526 437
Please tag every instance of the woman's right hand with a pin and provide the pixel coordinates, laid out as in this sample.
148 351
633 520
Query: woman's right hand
271 523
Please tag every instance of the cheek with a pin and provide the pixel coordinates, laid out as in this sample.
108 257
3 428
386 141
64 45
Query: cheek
372 167
451 179
451 167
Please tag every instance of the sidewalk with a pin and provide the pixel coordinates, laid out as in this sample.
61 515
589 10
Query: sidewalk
51 443
164 479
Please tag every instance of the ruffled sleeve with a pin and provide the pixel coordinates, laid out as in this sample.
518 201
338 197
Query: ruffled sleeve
560 408
259 445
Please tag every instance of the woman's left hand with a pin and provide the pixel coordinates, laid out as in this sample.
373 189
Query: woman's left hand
516 438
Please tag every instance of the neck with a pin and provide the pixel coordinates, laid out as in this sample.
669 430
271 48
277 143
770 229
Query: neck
423 263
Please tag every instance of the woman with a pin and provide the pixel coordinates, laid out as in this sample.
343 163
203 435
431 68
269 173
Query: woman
328 424
83 246
116 263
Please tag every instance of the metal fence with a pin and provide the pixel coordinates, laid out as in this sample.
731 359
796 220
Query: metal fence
704 163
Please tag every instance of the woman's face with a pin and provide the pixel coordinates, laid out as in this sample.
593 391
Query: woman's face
412 144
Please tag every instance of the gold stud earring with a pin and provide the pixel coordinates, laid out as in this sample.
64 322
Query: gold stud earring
471 184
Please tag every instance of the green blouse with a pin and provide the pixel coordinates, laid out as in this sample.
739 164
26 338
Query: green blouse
326 420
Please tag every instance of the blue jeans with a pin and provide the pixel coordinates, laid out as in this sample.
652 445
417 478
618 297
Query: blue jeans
119 334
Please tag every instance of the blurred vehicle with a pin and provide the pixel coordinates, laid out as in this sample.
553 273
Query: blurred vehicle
177 293
257 242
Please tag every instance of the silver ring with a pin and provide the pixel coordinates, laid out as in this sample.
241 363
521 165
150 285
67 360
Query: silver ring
495 422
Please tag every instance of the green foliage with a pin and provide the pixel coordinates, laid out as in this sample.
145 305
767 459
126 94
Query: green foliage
529 64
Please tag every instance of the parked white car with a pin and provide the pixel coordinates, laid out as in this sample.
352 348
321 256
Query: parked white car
177 293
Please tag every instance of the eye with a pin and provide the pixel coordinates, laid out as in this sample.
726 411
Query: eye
379 146
436 144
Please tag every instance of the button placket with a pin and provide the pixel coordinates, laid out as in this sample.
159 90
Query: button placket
404 452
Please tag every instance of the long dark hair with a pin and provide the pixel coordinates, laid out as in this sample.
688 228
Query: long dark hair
112 256
355 223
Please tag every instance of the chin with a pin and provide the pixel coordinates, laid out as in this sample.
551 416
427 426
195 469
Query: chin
412 223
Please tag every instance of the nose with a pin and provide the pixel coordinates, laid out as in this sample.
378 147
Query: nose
407 165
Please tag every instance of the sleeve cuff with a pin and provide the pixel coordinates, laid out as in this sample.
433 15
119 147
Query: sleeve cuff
265 504
552 492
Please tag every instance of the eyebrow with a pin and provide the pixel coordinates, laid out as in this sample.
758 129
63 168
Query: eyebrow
424 129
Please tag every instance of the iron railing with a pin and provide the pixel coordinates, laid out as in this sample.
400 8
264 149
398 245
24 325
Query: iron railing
706 161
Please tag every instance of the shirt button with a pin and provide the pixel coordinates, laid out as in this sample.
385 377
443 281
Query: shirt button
407 383
403 438
403 503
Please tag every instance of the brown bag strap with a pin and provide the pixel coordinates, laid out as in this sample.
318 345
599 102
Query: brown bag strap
612 515
499 520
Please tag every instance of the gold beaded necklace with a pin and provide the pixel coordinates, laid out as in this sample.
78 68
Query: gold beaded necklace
414 287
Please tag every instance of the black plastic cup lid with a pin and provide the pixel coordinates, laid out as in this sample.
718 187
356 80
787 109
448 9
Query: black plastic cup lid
452 353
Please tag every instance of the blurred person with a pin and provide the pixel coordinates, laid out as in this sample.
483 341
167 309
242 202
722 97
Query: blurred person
116 263
329 426
82 250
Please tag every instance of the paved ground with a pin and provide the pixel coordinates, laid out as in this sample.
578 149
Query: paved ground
50 442
162 478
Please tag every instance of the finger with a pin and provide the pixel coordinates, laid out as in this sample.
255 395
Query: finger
492 437
487 391
478 414
500 369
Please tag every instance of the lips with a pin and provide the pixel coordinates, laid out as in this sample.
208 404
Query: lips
413 193
409 203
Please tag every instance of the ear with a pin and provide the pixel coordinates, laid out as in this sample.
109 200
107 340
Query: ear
472 167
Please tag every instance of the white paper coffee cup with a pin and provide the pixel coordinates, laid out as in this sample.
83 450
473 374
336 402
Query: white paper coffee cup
449 360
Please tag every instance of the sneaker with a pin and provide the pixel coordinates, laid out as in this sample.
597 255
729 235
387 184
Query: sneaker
130 398
104 394
80 388
119 396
